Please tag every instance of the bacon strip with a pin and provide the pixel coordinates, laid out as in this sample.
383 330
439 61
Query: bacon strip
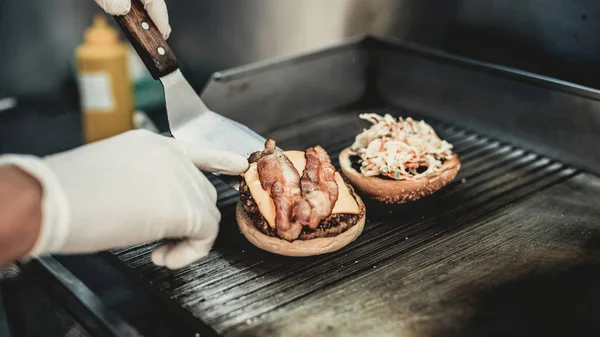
279 177
319 189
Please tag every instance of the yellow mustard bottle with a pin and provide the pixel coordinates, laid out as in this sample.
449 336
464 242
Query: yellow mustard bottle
105 88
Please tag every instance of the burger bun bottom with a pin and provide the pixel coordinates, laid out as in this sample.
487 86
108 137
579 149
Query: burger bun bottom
298 247
399 191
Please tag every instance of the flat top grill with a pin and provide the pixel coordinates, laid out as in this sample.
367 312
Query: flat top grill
403 271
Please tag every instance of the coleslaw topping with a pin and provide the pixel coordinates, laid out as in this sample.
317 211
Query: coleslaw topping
401 149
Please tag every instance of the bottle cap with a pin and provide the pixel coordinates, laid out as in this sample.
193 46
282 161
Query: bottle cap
100 32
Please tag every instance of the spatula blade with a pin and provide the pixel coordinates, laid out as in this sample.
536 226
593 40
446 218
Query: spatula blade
191 121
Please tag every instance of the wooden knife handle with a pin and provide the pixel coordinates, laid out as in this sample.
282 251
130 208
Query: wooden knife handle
147 41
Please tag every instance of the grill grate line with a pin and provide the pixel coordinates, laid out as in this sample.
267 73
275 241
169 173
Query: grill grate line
493 174
159 274
223 273
141 251
466 147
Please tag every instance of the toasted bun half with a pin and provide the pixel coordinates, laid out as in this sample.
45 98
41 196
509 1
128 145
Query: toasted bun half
398 191
311 247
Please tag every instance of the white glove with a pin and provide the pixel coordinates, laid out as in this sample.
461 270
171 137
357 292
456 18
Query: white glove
130 189
157 9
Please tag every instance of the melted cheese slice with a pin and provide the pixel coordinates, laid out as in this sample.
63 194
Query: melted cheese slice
344 204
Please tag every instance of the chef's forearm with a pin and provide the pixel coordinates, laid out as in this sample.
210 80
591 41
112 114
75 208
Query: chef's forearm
20 213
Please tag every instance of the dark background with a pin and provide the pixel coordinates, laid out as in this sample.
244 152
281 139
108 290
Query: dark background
557 38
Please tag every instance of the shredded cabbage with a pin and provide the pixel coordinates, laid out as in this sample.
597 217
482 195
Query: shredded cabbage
397 148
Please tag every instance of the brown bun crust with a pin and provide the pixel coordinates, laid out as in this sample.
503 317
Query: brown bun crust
310 247
398 191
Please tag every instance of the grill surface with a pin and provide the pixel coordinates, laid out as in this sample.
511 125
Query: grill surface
237 286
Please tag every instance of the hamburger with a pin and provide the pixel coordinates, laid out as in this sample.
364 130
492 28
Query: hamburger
400 160
296 203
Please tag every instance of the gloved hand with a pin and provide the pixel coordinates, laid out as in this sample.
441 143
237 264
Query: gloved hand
130 189
157 9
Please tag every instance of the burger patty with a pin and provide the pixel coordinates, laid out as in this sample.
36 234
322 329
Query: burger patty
333 225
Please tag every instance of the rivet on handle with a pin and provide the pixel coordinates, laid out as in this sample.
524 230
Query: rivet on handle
145 25
161 50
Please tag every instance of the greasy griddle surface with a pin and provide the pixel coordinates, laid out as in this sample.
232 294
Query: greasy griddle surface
422 266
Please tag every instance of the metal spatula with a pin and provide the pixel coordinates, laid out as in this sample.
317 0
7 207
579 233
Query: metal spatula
189 118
